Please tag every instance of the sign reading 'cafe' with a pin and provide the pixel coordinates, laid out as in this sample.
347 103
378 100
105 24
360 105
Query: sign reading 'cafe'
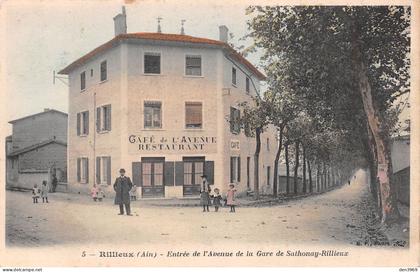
174 143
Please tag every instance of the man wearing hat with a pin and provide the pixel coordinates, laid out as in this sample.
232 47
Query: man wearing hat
122 187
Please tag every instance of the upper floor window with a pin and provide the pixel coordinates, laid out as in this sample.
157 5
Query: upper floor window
234 120
247 85
152 114
103 118
82 123
193 65
152 63
193 115
268 144
234 76
83 81
104 74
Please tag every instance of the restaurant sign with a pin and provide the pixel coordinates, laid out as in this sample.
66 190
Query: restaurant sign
182 143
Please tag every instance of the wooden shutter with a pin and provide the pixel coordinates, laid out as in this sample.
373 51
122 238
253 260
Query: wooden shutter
78 124
169 173
209 171
179 173
108 121
87 170
136 171
98 119
232 119
78 169
193 114
98 170
86 121
239 169
108 170
232 161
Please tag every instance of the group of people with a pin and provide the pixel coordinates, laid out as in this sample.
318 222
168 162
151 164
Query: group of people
206 198
40 192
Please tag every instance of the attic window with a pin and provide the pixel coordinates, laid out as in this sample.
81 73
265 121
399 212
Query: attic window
104 74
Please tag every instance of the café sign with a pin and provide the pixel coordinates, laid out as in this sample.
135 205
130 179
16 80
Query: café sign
182 143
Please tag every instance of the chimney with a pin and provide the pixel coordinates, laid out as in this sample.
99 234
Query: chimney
223 33
120 23
46 109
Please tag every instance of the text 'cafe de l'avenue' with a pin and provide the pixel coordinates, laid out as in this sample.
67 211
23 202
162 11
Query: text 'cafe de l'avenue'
164 107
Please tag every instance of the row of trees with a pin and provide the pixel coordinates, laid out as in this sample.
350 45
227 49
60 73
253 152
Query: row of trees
333 76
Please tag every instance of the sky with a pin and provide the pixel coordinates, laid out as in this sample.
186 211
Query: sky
46 36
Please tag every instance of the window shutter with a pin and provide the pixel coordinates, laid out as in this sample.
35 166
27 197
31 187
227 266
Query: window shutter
193 114
136 169
78 124
78 169
98 170
169 173
239 169
209 171
87 170
109 118
87 122
232 119
108 170
98 119
179 173
232 161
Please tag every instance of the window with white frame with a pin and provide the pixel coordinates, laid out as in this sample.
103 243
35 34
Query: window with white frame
104 71
82 169
103 170
193 65
152 63
152 114
82 123
103 118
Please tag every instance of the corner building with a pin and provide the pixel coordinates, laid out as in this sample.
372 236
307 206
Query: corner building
159 106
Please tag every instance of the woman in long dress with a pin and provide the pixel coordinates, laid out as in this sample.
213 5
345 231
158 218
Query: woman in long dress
205 194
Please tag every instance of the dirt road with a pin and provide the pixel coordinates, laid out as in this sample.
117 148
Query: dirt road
334 217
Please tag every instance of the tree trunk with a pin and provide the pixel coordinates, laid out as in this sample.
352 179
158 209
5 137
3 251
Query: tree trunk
387 187
295 187
304 169
318 176
276 162
311 189
324 176
257 162
286 154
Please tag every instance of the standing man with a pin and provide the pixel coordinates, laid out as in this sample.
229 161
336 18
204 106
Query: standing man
54 183
122 187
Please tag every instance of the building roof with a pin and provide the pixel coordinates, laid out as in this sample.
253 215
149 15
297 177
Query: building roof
37 114
163 37
35 146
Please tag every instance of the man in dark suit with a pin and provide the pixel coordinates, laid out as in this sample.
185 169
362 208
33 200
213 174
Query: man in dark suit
122 187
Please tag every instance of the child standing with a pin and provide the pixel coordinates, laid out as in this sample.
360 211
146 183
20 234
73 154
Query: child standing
217 199
35 193
100 195
230 197
94 192
133 192
44 191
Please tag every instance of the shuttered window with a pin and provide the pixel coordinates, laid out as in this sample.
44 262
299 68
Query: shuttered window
235 169
82 123
152 63
233 76
83 81
103 118
82 170
193 115
234 120
104 72
103 170
193 65
247 85
193 170
152 114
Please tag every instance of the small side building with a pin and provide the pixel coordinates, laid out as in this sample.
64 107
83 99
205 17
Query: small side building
37 150
400 155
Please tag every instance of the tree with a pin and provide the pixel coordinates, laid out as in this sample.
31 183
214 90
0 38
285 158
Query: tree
346 64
